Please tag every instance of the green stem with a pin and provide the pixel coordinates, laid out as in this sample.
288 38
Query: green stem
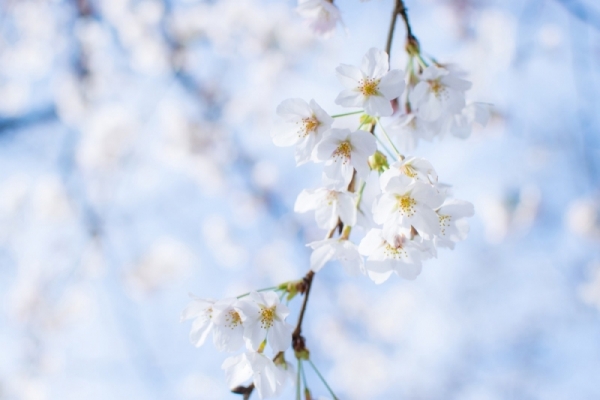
387 150
346 114
400 156
322 379
298 381
275 288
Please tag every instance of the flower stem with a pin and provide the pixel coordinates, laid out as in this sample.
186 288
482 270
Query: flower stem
400 156
298 390
275 288
346 114
322 379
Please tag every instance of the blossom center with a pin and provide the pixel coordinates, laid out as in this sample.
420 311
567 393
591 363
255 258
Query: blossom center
232 319
331 197
267 316
368 87
444 223
409 171
437 88
344 150
396 252
407 205
308 125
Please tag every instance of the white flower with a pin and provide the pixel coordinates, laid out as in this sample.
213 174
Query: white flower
404 205
336 249
440 91
263 317
453 226
417 169
343 151
408 129
461 125
371 87
201 310
228 330
321 15
268 378
329 205
400 255
309 121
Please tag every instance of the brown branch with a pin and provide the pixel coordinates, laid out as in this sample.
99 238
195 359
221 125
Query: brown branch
412 43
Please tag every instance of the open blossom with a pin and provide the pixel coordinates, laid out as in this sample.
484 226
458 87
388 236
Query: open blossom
228 330
372 86
263 317
403 205
411 169
343 151
329 205
268 378
308 122
439 91
453 226
321 15
400 255
201 311
342 250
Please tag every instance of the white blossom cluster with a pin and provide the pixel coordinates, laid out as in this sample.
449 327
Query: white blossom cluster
252 322
413 213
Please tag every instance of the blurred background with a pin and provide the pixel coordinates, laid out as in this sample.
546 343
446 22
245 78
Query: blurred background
136 167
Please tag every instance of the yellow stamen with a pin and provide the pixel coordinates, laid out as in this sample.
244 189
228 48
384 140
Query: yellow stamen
368 87
444 223
406 205
267 316
344 151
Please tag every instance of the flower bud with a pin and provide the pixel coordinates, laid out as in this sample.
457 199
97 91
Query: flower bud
378 162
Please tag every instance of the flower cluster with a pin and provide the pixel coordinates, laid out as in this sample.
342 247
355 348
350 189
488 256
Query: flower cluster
411 216
413 213
251 321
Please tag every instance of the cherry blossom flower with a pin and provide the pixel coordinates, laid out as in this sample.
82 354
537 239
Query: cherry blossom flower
321 15
263 317
228 331
343 151
309 123
372 86
267 377
201 311
342 250
329 205
439 91
412 169
404 205
453 226
400 255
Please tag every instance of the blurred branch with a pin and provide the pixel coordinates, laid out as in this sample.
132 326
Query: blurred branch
582 12
43 115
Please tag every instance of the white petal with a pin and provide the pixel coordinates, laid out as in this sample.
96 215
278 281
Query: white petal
350 98
237 370
378 106
347 209
375 63
320 256
201 327
349 75
392 85
280 336
307 200
294 109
